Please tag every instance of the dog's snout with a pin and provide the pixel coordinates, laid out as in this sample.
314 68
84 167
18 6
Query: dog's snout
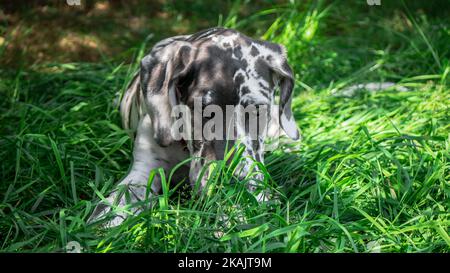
248 169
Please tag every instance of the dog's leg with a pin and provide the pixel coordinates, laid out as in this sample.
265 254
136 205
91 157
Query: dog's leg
147 155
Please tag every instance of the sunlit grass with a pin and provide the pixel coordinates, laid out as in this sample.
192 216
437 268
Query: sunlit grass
371 173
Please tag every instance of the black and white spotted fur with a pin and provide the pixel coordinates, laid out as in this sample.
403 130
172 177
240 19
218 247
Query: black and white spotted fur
220 66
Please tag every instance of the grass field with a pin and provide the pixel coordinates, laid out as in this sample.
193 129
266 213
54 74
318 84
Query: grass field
371 173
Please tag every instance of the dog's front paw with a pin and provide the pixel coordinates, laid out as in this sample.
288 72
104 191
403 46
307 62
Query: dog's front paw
125 201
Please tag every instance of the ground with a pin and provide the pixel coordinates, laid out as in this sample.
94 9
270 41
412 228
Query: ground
370 174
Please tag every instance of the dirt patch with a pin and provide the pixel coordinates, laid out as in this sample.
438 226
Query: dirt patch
53 31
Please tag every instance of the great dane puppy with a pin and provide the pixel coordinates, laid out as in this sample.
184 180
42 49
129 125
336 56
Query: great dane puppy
216 66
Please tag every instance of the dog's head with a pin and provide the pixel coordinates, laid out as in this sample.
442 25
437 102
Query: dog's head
218 68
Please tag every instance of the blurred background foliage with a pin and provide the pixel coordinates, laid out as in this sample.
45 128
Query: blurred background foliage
52 31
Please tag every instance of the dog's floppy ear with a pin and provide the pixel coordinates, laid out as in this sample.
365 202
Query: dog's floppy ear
131 106
284 78
160 72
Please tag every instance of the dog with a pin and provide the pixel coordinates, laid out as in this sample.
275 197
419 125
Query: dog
217 66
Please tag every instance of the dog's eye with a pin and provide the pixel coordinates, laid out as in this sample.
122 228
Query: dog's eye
207 99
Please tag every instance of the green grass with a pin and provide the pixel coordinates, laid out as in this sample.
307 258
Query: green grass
372 169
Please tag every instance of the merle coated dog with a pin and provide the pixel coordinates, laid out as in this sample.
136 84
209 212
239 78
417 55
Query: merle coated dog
219 66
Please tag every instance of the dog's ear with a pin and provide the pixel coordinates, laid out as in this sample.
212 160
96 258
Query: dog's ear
284 78
131 106
160 72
